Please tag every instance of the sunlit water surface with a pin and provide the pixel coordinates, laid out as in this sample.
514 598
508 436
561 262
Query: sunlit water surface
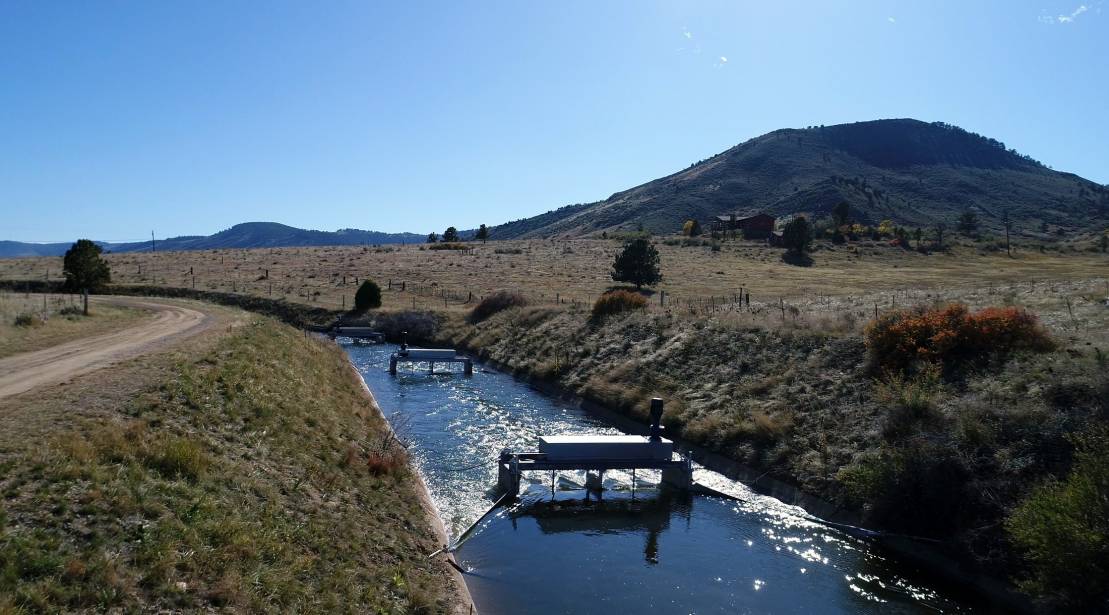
558 551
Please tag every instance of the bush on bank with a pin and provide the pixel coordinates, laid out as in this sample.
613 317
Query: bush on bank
494 303
952 336
617 302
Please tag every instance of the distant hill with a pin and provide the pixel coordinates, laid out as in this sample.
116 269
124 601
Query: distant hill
246 235
911 172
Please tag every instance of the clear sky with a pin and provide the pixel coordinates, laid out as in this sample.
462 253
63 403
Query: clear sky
118 118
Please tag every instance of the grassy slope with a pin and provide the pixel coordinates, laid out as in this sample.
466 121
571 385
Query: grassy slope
240 482
799 401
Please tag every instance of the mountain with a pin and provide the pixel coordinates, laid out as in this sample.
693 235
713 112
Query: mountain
912 172
246 235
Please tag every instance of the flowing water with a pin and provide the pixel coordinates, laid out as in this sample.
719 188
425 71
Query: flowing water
637 548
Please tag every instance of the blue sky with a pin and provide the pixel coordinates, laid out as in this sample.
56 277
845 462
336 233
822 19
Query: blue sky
118 118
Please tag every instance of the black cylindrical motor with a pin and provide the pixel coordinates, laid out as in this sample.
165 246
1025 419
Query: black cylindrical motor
656 419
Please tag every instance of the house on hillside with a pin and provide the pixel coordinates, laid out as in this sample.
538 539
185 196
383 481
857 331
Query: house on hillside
753 226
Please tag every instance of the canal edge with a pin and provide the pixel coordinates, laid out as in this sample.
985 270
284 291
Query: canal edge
464 600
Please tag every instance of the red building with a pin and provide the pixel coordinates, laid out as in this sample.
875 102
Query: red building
757 226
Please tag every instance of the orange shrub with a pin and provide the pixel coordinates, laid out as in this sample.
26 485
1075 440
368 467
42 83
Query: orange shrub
952 335
616 302
380 463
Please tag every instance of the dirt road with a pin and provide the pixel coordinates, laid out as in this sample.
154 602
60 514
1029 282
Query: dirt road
23 372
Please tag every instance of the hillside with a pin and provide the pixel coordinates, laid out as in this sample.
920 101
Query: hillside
912 172
246 235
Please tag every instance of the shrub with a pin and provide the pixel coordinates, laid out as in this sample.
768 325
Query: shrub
952 335
380 463
27 319
448 246
508 251
497 302
910 400
617 302
917 488
368 296
1063 528
691 228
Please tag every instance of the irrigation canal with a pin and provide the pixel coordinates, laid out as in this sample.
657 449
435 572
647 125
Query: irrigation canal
641 550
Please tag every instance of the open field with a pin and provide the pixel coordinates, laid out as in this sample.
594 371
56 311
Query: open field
694 278
229 473
46 324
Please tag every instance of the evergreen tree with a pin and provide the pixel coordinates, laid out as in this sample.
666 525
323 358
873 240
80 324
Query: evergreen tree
451 234
797 235
368 296
841 213
637 263
432 237
482 233
84 268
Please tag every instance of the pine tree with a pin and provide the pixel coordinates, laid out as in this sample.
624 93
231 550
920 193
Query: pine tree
637 263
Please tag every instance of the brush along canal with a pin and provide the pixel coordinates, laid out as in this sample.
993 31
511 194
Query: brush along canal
560 549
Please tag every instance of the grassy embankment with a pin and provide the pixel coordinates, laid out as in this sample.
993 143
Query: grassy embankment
947 456
27 325
256 476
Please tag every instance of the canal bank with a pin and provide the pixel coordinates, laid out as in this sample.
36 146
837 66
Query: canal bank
458 425
464 602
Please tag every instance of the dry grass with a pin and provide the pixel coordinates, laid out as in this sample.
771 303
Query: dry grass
54 319
577 271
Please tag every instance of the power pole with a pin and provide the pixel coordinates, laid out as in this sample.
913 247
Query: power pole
1008 224
153 269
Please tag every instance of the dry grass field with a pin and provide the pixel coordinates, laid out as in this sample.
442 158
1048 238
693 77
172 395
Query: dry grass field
695 279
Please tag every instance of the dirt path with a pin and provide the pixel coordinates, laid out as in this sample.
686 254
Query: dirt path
23 372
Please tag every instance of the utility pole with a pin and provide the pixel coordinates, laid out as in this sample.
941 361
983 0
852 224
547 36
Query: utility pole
153 269
1008 224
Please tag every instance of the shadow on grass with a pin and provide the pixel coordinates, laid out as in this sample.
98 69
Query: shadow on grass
798 259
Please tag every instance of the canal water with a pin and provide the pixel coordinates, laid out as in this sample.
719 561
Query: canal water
638 548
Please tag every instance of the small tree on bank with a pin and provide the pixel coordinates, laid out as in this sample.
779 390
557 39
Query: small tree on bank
368 296
84 268
482 234
637 263
451 234
433 237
